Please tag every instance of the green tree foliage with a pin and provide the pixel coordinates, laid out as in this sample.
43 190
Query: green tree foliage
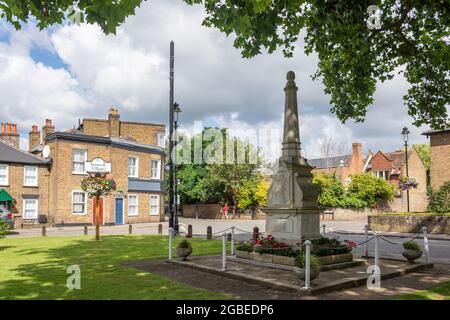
4 228
253 192
108 14
413 40
364 191
424 153
370 189
236 183
440 200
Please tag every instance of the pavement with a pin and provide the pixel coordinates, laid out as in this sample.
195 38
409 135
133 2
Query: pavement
216 282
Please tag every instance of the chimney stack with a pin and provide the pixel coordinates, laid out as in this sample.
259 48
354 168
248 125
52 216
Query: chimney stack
114 123
47 130
34 138
9 134
357 158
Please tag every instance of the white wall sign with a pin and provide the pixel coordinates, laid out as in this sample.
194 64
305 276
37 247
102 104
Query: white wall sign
98 165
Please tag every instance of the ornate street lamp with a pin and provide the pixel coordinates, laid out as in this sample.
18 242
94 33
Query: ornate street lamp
405 133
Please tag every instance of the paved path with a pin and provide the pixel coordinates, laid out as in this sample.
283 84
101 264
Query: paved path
233 287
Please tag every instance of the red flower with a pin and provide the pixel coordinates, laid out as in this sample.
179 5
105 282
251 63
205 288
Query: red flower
350 243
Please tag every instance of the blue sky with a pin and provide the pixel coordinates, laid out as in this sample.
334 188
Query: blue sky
71 72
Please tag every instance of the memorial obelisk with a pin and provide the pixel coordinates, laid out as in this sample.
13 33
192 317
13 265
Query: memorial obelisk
292 213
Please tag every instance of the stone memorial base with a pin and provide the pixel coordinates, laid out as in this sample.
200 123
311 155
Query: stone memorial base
293 226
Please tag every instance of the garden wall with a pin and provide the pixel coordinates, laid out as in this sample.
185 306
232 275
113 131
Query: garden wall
213 211
410 224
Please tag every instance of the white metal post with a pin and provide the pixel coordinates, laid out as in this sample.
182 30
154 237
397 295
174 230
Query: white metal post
425 245
377 253
224 252
232 240
323 230
170 243
366 245
308 265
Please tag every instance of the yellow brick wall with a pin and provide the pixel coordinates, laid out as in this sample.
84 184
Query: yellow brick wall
141 132
440 159
16 188
63 182
96 127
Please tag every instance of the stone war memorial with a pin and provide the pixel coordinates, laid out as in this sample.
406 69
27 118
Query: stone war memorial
292 254
292 212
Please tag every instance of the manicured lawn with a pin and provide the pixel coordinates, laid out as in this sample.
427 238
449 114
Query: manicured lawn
35 268
440 292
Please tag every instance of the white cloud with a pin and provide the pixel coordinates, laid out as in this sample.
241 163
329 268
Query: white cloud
212 81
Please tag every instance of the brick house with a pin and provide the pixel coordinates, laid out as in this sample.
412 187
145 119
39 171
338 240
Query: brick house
439 157
391 167
342 166
136 154
24 186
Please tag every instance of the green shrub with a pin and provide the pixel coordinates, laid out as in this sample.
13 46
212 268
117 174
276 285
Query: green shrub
330 189
300 261
370 189
184 244
439 202
4 228
327 246
244 246
411 245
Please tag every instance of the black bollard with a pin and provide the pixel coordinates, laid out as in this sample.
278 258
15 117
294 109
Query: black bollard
255 233
85 230
160 229
209 233
189 233
44 231
130 229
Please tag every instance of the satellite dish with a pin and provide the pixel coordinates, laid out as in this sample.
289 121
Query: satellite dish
46 151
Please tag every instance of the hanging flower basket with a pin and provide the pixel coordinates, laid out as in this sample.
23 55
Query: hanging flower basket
98 186
408 183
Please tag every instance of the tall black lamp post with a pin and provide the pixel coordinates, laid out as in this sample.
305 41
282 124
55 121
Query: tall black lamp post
405 133
174 110
176 226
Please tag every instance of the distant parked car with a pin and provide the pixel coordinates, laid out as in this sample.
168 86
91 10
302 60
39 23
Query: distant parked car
6 217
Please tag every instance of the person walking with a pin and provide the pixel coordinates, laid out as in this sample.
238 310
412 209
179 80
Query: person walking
225 211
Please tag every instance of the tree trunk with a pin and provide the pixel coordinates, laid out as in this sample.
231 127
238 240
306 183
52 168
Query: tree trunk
97 218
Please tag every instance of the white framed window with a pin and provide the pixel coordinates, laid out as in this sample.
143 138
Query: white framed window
30 176
154 205
4 175
161 139
79 157
156 169
133 205
382 174
133 167
78 202
30 208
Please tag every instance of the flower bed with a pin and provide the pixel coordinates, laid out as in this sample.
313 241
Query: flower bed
327 250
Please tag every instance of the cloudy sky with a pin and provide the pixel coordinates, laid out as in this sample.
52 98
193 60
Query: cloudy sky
71 72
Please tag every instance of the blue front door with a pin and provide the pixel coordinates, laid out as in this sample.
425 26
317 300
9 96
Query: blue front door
119 211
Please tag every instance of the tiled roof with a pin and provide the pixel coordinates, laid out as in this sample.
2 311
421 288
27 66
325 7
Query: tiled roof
9 154
331 162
